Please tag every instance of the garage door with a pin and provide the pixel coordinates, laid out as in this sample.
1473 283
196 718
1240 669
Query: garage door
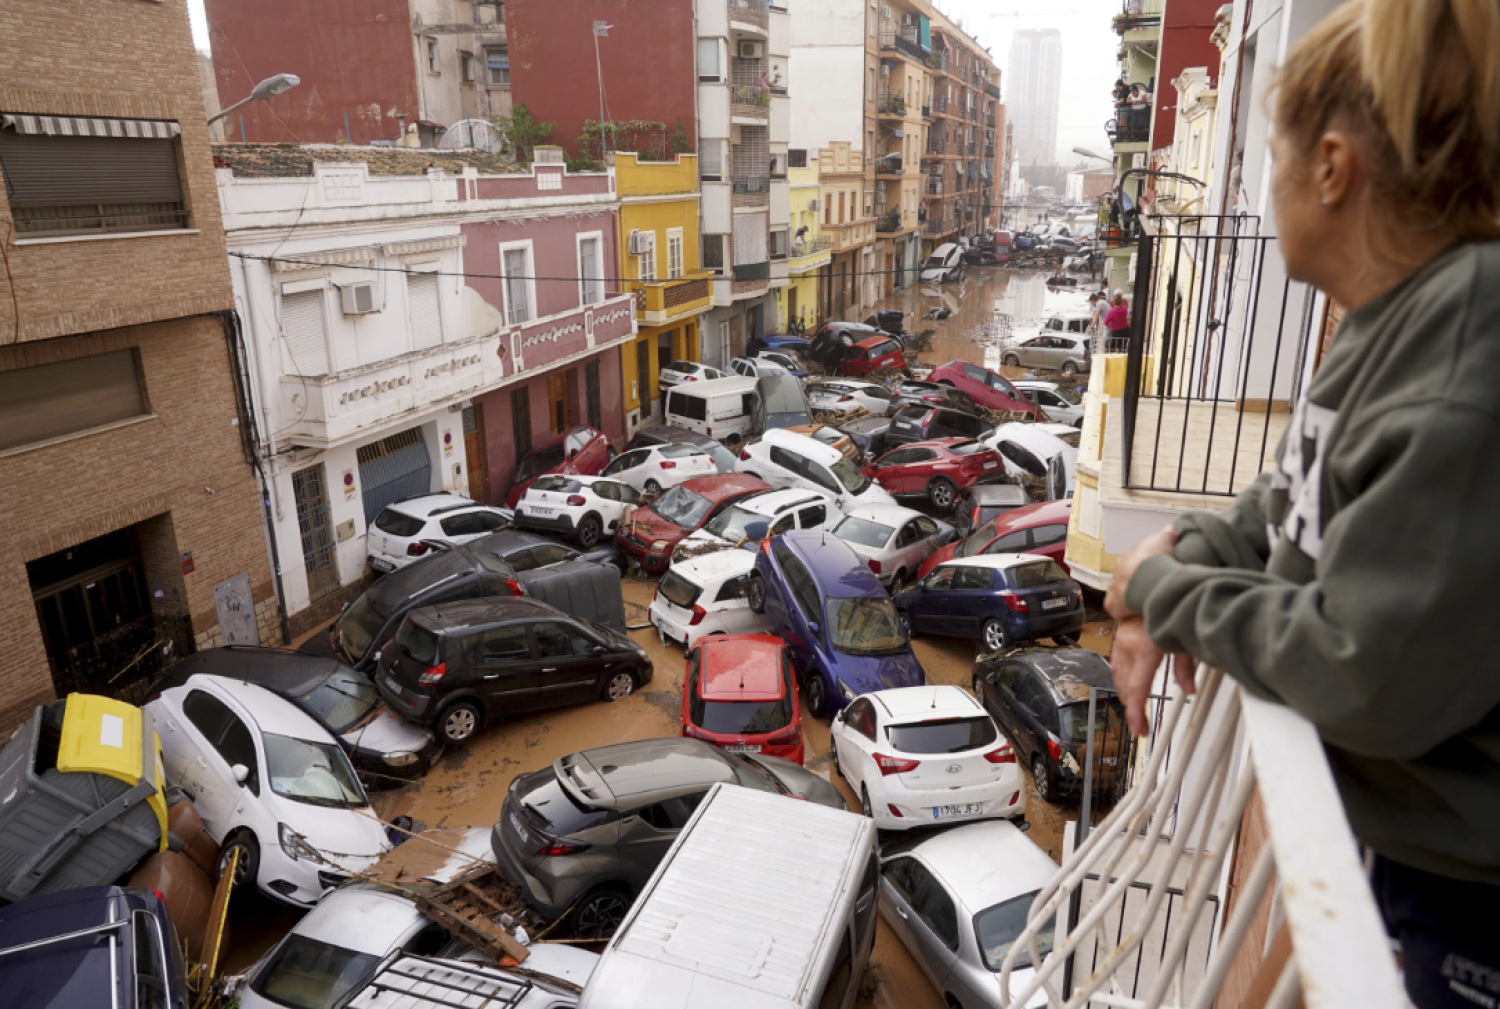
393 468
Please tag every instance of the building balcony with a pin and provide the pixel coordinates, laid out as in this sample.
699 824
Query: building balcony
889 166
935 228
889 106
811 253
936 146
940 106
851 234
933 185
993 92
747 101
989 153
754 15
661 302
903 42
938 61
1130 126
750 190
888 223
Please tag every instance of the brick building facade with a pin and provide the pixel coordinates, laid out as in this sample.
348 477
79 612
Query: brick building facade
133 521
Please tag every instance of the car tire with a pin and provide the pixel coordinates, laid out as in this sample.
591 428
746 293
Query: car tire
248 868
976 685
1011 360
898 579
755 593
1041 778
906 623
1069 368
942 493
618 687
1069 640
599 913
590 530
994 636
458 723
833 754
817 695
652 488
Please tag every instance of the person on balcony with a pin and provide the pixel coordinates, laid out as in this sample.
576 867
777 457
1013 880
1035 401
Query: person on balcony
1117 324
1355 581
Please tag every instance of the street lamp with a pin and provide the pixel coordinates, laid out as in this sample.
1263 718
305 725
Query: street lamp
268 88
1090 154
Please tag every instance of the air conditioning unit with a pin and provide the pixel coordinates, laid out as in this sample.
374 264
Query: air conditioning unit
885 70
641 242
910 20
885 13
751 50
359 299
814 204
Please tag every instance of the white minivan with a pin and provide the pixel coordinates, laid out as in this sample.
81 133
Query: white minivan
762 902
723 408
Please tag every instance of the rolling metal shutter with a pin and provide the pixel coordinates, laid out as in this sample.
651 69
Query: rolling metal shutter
306 337
393 468
52 400
426 322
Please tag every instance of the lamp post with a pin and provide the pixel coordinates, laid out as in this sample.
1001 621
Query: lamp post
268 88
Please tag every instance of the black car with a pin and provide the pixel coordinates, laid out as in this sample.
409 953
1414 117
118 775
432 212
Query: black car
868 434
985 501
830 342
933 394
526 551
343 701
922 423
671 434
445 577
456 665
1040 699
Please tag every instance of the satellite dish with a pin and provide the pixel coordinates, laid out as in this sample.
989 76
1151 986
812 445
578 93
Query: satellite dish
476 133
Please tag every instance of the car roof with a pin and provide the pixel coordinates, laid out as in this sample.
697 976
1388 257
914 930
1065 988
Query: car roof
731 386
803 445
741 667
849 383
1070 671
1034 515
465 613
1035 384
391 592
885 514
627 775
671 434
1000 562
997 493
281 669
984 863
946 444
774 502
503 541
271 711
834 563
945 248
720 486
1044 443
905 705
361 917
866 423
713 566
426 505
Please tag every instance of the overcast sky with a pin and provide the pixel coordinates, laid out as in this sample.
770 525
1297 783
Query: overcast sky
1089 47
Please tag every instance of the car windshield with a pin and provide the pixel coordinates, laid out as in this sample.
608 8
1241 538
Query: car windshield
540 462
828 435
308 974
865 626
850 475
977 540
682 507
1109 718
864 532
398 523
997 928
315 773
936 263
1067 395
358 626
942 735
1029 576
417 643
677 589
969 448
733 718
560 484
341 701
730 524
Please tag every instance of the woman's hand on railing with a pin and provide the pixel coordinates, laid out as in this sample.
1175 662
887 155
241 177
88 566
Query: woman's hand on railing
1134 657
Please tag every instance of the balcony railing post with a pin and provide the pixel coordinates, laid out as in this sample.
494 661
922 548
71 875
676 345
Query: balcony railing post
1139 310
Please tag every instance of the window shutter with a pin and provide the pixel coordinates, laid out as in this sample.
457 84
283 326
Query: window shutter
51 400
306 337
750 239
588 269
426 320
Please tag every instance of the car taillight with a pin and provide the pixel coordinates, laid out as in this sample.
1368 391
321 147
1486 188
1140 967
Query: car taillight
709 431
562 848
667 464
516 588
1002 755
846 399
875 567
1054 749
892 807
791 734
433 674
416 549
691 378
894 765
698 614
1015 797
577 501
745 455
1015 602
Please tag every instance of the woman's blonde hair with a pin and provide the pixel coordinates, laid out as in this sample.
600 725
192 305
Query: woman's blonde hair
1419 82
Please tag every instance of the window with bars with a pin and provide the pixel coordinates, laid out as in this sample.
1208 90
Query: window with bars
520 419
674 253
796 157
592 402
517 286
497 66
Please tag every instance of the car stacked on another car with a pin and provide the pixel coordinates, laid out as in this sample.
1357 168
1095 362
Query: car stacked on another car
585 508
686 371
783 459
786 359
914 393
988 389
985 501
778 510
671 434
937 469
399 534
922 423
999 599
740 693
582 450
755 367
868 434
1028 449
1061 404
847 396
651 533
870 355
1033 529
706 595
652 470
829 436
892 541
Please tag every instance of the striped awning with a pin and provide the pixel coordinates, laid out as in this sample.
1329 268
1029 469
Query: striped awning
72 126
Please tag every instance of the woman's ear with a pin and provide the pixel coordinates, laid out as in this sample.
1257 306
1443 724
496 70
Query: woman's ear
1336 168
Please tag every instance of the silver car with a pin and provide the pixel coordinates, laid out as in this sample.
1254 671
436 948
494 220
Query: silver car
958 899
1052 350
892 540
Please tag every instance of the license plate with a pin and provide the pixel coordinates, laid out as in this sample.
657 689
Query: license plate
743 748
381 565
390 681
541 511
962 809
1052 604
991 465
515 823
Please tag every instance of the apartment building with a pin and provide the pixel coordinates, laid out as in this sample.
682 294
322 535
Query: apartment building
1035 94
372 72
904 84
846 201
812 250
134 527
962 157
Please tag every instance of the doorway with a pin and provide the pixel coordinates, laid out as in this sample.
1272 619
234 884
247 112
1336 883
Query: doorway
559 409
474 452
791 309
315 523
643 379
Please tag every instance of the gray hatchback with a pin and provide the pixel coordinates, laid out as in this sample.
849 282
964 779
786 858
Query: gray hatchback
585 834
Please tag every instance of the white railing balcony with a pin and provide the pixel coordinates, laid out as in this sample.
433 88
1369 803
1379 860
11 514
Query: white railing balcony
1137 904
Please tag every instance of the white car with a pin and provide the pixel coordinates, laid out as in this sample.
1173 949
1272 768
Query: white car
1028 449
783 459
706 595
271 784
846 397
687 371
587 508
780 510
755 367
919 756
654 469
892 540
395 538
945 263
785 359
1068 434
1061 404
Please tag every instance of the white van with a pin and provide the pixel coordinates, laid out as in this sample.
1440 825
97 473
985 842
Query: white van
723 408
763 902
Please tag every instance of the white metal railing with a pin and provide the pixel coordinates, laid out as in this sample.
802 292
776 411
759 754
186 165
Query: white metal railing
1170 836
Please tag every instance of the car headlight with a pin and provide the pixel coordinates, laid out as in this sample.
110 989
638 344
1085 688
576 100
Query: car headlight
293 845
401 759
847 691
659 546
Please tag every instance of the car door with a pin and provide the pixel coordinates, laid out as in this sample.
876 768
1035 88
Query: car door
1011 543
928 534
972 601
647 833
781 606
1050 540
1031 352
899 888
467 526
887 470
819 477
628 467
855 742
506 671
921 466
732 606
928 609
935 935
1019 724
605 495
908 547
568 670
812 516
976 382
221 739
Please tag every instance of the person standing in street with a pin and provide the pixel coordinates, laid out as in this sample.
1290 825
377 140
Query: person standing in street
1355 581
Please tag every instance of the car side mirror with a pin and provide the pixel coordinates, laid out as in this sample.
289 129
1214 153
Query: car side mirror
814 627
598 650
240 772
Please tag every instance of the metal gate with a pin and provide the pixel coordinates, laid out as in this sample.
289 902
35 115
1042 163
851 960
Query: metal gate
393 468
316 526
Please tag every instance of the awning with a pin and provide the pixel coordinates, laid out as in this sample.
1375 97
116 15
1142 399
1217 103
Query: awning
898 133
69 126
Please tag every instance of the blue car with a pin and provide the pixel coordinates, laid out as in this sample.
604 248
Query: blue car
94 946
779 342
1001 599
844 634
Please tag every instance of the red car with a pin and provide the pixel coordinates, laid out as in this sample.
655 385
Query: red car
1034 529
649 534
985 387
740 693
582 450
869 354
936 469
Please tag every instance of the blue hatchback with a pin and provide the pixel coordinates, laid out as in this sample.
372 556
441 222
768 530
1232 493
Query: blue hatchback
1001 599
843 631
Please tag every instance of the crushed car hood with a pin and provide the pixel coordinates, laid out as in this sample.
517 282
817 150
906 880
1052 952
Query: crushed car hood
386 732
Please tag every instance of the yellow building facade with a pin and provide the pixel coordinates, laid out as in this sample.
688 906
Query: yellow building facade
659 263
811 252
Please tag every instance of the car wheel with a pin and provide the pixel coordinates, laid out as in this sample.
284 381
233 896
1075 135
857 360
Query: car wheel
600 913
1042 778
942 493
458 723
589 532
652 487
1012 361
248 867
898 579
977 686
833 753
1065 639
906 623
755 593
995 638
619 686
817 695
1069 368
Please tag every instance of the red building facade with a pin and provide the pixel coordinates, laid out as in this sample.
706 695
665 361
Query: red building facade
1186 31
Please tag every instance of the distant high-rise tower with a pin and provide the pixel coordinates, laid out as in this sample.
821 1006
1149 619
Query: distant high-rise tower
1035 81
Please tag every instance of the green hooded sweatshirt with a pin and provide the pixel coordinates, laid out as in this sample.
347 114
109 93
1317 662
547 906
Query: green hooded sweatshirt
1356 581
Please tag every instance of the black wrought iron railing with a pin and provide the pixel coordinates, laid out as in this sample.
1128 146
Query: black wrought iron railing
904 41
752 184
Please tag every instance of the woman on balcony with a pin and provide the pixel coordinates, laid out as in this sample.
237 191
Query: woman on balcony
1356 581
